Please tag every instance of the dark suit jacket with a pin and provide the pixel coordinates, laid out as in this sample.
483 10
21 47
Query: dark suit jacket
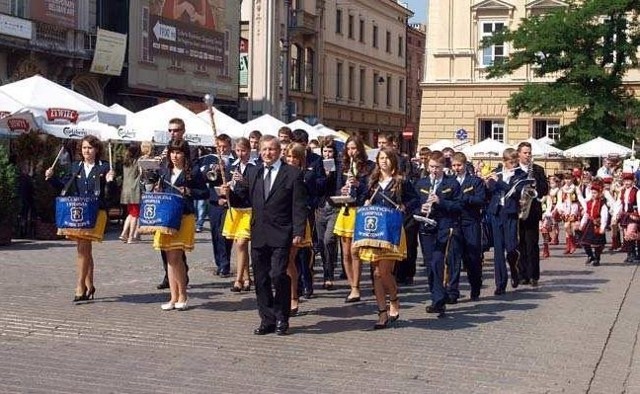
447 211
473 197
542 187
315 179
497 188
283 215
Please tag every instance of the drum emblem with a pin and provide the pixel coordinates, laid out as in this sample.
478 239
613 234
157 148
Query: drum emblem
149 211
77 214
371 223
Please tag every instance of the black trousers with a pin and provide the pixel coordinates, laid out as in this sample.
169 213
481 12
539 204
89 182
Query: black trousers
406 269
529 263
270 269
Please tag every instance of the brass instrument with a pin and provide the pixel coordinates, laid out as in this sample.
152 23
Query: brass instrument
429 223
353 172
528 194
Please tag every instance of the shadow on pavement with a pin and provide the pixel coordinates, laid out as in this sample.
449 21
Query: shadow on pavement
38 245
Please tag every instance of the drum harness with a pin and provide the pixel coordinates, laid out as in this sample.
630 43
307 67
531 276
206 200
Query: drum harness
66 187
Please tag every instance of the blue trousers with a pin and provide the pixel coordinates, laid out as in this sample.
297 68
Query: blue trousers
200 207
505 239
441 252
470 253
221 246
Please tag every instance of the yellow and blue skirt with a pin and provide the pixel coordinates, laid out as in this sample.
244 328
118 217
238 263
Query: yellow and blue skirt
371 254
237 224
88 234
184 239
345 224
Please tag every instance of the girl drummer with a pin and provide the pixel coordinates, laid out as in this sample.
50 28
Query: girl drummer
237 222
88 178
387 188
352 177
179 178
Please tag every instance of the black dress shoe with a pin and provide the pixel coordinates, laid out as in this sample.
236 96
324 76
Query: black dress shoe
265 329
596 262
475 295
534 282
451 301
351 300
499 292
525 281
307 293
164 284
436 309
514 283
282 328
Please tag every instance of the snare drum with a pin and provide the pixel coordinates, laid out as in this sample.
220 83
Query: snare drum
80 218
160 212
379 234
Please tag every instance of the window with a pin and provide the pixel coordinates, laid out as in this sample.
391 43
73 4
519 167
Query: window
401 93
389 101
225 58
339 21
309 58
145 50
376 77
400 46
363 81
352 83
496 52
546 128
350 26
362 31
296 65
491 128
17 8
375 36
339 80
388 46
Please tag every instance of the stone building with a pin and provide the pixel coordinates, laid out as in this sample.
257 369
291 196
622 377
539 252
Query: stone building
416 40
456 95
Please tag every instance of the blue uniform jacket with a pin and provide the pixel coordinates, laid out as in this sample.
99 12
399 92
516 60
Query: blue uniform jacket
235 200
447 211
499 188
409 198
81 185
473 194
196 184
315 179
207 163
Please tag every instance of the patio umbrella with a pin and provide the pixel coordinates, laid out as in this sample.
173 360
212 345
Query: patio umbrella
441 144
18 125
488 147
266 124
57 110
598 147
225 124
540 149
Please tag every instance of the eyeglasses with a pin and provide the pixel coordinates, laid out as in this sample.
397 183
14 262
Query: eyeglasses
175 130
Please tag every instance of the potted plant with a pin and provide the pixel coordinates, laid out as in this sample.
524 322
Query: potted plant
8 200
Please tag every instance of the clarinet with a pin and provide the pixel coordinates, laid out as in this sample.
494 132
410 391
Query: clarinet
352 190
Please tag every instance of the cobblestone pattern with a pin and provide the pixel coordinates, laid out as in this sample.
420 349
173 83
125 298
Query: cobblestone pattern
577 332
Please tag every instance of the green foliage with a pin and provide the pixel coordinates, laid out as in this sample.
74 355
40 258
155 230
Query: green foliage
8 179
587 48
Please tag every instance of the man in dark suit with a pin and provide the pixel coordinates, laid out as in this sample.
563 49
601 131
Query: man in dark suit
278 197
440 201
529 233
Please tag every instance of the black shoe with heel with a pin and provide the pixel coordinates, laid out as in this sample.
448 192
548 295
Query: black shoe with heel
91 292
393 318
383 325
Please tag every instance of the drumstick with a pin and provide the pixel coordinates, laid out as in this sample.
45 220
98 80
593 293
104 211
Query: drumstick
110 158
57 157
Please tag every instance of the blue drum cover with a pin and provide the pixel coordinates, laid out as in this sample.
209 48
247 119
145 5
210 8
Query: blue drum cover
76 212
161 211
377 226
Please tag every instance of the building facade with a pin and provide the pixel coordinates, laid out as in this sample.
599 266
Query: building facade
52 39
457 98
346 63
416 42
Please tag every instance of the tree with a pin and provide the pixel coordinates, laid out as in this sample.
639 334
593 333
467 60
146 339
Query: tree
589 45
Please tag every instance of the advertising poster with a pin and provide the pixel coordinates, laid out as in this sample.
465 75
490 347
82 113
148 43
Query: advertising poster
109 54
56 12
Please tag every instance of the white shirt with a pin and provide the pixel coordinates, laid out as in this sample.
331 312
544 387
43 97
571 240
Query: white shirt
175 173
460 179
87 168
385 183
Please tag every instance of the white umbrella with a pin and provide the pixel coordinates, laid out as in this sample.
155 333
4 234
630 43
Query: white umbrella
598 147
58 110
325 130
540 149
266 124
152 124
314 132
441 144
547 140
224 123
19 124
488 147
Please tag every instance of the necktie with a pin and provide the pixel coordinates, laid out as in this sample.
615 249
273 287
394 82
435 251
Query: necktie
267 182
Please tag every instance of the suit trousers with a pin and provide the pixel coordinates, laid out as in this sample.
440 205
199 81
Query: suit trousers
470 252
505 230
407 268
270 269
529 262
221 245
327 240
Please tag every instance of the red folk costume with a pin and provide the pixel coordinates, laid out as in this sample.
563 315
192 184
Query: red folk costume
594 224
628 217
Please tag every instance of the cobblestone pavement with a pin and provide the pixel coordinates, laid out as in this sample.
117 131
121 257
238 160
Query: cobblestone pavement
577 332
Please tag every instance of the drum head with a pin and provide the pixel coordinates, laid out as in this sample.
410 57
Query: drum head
343 199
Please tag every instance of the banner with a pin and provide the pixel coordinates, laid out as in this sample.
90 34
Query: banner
108 57
56 12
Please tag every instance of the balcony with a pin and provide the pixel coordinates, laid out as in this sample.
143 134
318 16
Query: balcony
302 22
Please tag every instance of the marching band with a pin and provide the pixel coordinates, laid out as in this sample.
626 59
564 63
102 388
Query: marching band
360 207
